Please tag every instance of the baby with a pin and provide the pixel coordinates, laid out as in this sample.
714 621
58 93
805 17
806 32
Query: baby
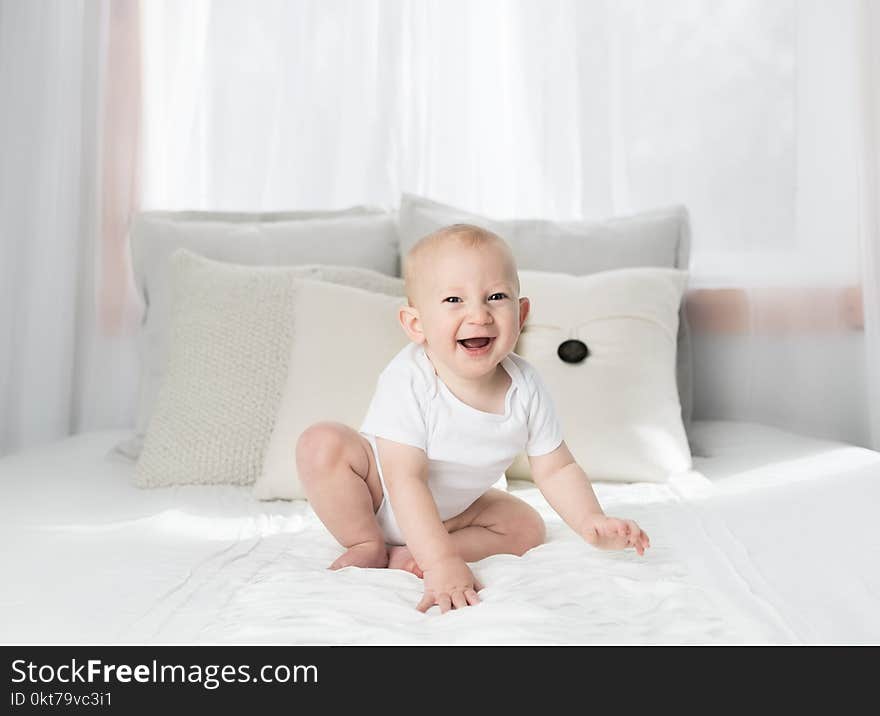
450 413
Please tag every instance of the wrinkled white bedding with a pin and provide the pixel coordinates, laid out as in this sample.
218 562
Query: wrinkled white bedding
770 539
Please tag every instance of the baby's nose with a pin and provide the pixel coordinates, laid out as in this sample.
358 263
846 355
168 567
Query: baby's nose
480 314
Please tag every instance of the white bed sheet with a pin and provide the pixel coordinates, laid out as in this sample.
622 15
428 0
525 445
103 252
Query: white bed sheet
769 540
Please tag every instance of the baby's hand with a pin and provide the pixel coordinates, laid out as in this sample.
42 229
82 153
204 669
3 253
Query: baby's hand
612 533
450 583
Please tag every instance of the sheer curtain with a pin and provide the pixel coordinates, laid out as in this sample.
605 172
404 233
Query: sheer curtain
751 113
61 371
868 137
760 117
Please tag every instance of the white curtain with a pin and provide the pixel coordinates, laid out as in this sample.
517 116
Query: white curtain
59 373
868 144
759 115
749 112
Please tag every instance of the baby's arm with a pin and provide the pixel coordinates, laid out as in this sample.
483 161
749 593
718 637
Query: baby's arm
568 490
448 579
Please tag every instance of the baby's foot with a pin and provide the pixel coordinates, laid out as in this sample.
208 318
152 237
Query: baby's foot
365 554
401 558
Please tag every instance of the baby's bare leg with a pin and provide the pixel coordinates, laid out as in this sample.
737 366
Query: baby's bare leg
497 523
338 477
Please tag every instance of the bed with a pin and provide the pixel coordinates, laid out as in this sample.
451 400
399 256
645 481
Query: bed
770 539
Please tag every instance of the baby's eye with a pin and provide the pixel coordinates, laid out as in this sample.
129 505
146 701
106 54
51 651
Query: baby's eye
503 295
453 299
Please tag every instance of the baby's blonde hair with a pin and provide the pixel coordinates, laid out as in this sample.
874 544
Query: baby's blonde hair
469 235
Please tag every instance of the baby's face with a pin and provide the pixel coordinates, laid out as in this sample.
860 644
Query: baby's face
466 293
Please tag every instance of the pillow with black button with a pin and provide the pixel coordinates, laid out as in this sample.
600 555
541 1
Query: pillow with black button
605 346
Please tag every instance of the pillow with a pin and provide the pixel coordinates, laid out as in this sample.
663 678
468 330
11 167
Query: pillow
658 238
231 327
361 236
617 401
342 340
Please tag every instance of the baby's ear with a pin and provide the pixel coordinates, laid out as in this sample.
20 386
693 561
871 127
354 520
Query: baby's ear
524 307
411 323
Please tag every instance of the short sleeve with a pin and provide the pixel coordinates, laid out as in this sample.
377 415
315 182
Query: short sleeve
545 432
397 409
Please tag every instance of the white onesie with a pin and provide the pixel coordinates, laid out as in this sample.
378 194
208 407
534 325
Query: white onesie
468 450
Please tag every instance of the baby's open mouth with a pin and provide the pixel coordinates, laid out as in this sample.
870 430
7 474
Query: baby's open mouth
476 343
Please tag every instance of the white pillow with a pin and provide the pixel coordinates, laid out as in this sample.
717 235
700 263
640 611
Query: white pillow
619 407
342 340
659 238
361 237
231 329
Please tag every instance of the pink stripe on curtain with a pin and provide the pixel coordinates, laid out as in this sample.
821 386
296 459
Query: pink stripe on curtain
775 311
119 306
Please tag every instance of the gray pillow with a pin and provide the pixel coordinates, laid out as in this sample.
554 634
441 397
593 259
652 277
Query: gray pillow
361 237
659 238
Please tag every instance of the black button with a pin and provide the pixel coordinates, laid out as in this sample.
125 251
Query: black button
572 351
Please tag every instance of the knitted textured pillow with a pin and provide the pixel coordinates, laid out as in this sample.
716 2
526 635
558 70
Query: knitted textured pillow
360 237
231 328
